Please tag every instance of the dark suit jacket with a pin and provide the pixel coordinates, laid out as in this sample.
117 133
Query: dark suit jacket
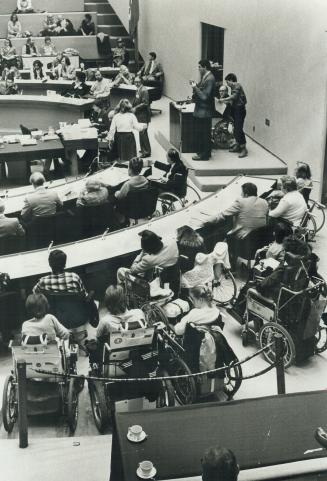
203 95
141 105
10 227
157 71
177 177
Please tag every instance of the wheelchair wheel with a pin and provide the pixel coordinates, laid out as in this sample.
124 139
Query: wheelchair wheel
319 213
185 388
311 228
192 195
321 339
220 135
72 404
231 386
99 406
9 404
153 314
266 336
224 287
166 396
168 202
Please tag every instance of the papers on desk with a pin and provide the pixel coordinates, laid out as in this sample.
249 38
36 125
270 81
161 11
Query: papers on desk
27 140
11 139
220 106
84 123
75 132
50 137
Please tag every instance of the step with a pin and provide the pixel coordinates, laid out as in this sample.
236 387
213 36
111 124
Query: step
114 31
209 183
108 19
99 7
99 1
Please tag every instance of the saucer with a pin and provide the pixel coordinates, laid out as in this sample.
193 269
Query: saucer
141 475
131 438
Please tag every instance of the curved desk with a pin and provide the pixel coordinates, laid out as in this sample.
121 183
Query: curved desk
40 112
37 87
102 249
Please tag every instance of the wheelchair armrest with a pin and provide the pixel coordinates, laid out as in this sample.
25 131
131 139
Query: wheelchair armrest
256 294
107 347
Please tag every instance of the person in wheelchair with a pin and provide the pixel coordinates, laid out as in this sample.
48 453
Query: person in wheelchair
275 250
42 322
175 177
136 180
291 206
189 243
117 316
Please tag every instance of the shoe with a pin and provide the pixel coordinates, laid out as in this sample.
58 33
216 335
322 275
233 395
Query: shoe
243 153
200 157
235 148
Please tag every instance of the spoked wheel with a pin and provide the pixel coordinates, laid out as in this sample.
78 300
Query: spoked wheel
192 195
9 404
311 228
185 388
221 135
169 202
72 404
231 386
266 337
319 214
166 396
224 287
321 339
99 406
153 313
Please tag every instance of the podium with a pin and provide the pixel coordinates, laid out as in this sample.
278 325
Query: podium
182 129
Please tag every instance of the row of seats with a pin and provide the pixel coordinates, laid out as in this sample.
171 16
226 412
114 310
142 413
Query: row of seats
8 6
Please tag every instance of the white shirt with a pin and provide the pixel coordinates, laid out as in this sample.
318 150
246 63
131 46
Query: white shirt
126 122
101 89
291 207
205 315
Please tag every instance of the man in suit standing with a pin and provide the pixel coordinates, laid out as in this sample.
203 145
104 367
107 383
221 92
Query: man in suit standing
42 202
9 227
141 106
203 96
151 73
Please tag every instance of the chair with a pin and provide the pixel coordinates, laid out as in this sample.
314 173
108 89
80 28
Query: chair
40 232
11 312
94 220
140 204
255 240
71 309
156 93
12 244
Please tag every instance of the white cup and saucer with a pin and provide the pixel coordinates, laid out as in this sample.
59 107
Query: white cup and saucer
146 470
135 434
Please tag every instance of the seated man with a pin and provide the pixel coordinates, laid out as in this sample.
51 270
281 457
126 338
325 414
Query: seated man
249 213
135 182
151 73
175 177
120 54
8 87
154 253
124 77
93 194
101 87
292 205
219 464
60 280
9 226
43 202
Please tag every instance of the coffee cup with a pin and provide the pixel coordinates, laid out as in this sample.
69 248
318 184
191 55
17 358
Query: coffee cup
146 468
135 431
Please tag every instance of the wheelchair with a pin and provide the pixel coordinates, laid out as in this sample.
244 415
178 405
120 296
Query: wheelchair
46 393
169 202
131 352
295 315
222 134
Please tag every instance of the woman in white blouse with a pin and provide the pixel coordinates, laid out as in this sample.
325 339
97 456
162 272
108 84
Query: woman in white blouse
121 130
14 26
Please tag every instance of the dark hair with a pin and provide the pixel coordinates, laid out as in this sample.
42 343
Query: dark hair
81 76
231 77
204 63
11 76
219 464
249 189
10 42
303 172
88 16
67 60
151 243
115 300
37 64
14 14
296 247
289 183
187 236
173 154
281 231
57 260
153 55
37 305
136 165
46 39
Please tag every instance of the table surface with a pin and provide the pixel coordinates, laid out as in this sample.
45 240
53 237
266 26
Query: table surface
125 241
53 99
18 151
261 432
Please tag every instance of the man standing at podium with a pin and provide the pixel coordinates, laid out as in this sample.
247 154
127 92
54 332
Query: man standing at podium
203 95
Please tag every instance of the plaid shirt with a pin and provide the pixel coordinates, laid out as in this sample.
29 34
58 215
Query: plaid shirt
64 282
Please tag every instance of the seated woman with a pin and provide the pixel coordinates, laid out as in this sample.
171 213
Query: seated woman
12 72
204 312
8 54
65 70
30 48
275 250
304 181
87 26
65 28
117 315
175 178
292 206
124 77
189 243
93 194
78 89
14 26
24 6
48 49
49 26
38 70
8 87
154 253
135 182
42 322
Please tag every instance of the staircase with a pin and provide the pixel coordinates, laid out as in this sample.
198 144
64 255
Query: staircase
109 23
